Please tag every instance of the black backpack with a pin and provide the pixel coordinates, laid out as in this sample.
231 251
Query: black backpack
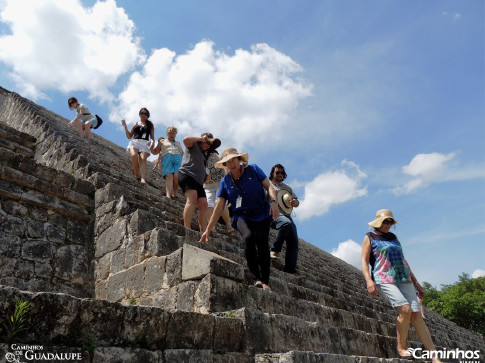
100 121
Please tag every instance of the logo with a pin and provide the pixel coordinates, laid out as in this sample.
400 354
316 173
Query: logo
23 353
465 356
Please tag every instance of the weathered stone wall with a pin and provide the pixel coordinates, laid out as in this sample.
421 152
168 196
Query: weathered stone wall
45 239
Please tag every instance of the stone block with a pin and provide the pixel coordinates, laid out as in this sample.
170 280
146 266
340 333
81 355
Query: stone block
188 355
76 232
197 263
37 250
115 287
216 293
166 298
14 208
228 334
185 295
154 274
103 267
101 321
190 330
10 245
55 234
118 258
163 242
112 238
173 268
72 264
142 221
43 270
126 355
100 291
12 225
145 325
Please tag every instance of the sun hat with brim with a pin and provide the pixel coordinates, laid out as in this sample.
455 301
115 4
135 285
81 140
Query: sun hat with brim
228 154
382 215
284 197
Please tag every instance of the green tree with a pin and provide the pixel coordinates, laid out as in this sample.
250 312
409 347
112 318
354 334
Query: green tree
462 302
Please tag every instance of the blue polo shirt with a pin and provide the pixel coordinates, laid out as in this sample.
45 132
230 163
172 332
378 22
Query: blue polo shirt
254 205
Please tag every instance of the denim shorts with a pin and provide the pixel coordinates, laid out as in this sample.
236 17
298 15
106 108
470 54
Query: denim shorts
401 294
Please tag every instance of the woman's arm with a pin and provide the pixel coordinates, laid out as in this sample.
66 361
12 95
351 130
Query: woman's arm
273 204
78 116
129 134
158 162
364 260
416 284
221 202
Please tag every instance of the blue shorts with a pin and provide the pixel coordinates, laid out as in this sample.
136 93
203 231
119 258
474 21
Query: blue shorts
401 294
171 163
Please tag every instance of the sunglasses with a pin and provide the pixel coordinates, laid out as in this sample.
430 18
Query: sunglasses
279 172
388 221
238 158
143 113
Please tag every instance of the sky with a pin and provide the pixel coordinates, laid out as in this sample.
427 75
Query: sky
368 105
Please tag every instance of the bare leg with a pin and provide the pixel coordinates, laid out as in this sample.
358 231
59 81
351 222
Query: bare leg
202 205
402 327
87 130
80 128
169 185
190 204
143 166
175 184
134 161
423 333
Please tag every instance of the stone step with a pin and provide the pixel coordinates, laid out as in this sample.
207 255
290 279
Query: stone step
17 138
59 319
24 172
40 200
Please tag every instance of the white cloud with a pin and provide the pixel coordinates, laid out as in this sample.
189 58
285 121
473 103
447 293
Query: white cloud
478 273
241 98
59 44
437 168
349 251
426 168
330 188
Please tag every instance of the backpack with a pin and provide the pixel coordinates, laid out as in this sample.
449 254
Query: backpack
100 121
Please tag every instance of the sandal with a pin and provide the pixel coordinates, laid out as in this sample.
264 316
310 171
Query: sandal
266 287
258 284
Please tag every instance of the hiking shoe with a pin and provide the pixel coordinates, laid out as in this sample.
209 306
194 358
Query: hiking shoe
274 255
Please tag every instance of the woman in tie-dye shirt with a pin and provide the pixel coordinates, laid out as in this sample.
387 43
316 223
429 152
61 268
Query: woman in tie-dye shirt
391 272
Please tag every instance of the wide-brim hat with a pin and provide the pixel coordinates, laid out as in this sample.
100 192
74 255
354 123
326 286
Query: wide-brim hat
284 197
213 143
381 215
228 154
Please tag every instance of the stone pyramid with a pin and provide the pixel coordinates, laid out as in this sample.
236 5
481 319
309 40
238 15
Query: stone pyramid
112 274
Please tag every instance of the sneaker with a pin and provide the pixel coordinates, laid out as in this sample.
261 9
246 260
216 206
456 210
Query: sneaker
274 255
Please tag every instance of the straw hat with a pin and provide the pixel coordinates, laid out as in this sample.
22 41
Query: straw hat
229 153
381 215
284 197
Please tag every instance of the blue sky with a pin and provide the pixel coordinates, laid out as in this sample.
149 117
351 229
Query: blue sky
369 105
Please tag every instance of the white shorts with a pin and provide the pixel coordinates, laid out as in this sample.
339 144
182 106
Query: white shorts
401 294
211 194
140 144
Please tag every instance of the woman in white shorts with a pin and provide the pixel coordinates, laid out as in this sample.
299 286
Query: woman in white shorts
140 134
391 272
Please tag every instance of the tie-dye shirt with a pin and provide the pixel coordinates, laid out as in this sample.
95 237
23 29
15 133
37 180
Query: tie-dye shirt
387 259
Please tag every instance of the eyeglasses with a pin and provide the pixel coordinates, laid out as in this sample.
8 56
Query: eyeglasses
388 221
279 172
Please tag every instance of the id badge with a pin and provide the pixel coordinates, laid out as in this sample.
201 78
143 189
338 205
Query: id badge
238 202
